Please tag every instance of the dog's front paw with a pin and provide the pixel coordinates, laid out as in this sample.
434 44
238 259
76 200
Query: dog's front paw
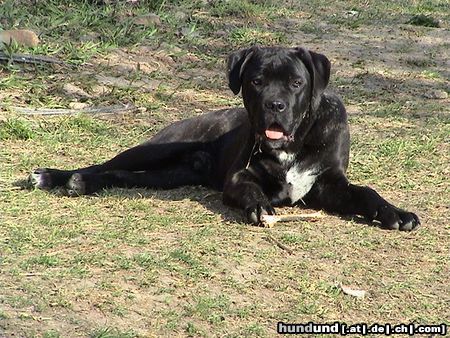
257 209
393 218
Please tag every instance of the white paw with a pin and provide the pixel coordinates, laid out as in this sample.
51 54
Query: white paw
36 180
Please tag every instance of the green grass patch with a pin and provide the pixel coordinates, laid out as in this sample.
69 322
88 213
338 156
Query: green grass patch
16 129
423 20
249 36
110 332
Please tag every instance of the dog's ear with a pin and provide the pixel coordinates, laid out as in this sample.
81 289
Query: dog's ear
235 67
319 67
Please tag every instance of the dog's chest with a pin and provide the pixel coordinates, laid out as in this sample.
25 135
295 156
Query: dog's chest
297 181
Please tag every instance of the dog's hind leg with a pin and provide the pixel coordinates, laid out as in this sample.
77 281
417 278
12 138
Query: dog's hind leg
194 169
46 179
144 157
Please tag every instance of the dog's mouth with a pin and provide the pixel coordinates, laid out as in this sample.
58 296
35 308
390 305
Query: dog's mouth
275 132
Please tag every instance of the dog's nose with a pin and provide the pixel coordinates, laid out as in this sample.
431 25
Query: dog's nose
277 106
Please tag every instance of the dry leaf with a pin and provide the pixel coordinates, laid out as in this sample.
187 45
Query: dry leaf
353 292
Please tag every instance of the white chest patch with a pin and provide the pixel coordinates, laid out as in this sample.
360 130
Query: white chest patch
286 158
301 181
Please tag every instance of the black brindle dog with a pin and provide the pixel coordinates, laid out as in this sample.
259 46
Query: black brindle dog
288 146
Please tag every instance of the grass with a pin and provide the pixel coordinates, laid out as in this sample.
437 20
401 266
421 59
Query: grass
135 263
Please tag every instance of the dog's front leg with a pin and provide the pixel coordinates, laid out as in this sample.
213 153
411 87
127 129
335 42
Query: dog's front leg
334 193
243 190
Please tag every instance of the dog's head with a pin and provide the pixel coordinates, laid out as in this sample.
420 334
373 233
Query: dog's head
281 87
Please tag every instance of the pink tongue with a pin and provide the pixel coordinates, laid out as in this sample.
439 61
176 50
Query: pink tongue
274 134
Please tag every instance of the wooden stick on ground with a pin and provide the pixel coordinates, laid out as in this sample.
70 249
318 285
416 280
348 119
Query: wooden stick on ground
282 246
120 108
270 220
30 59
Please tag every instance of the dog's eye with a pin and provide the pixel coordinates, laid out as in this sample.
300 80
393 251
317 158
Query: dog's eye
257 82
296 83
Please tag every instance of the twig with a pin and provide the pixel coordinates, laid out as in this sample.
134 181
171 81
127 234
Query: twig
32 274
211 194
269 220
30 59
282 246
89 110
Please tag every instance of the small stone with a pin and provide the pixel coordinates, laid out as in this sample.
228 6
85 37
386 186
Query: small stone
74 91
90 37
436 94
144 84
113 81
220 33
77 105
126 69
170 48
22 37
100 90
180 16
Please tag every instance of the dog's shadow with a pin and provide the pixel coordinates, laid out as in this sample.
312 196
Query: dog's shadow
208 198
